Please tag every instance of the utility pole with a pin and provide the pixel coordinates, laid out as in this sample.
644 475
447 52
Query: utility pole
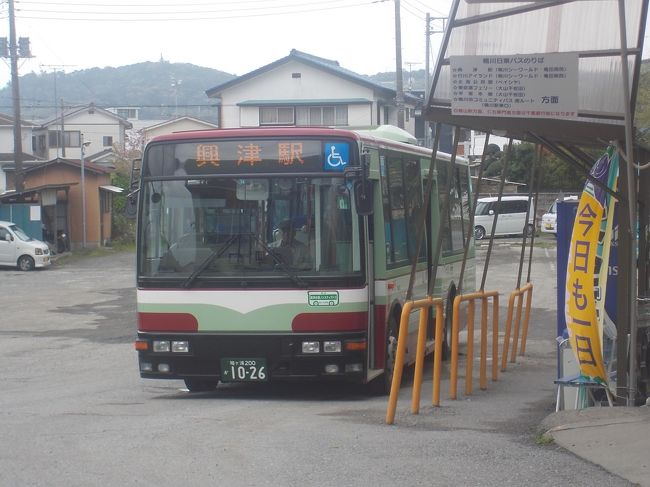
430 30
427 69
399 86
16 50
83 189
62 133
410 83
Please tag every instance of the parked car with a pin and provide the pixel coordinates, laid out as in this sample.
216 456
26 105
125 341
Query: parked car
17 249
549 219
512 216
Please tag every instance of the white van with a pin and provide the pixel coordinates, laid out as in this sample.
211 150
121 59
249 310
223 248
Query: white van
549 219
512 216
17 249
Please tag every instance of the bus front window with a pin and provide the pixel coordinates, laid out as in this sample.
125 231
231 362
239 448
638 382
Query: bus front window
249 228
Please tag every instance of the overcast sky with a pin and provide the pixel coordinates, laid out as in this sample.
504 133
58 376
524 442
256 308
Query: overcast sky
235 36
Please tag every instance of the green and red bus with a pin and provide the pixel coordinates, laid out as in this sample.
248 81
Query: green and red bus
221 297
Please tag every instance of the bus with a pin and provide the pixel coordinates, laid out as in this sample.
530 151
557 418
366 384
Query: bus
266 254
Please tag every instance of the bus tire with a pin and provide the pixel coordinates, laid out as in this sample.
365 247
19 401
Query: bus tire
449 315
381 385
201 385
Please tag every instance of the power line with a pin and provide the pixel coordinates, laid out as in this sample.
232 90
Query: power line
148 16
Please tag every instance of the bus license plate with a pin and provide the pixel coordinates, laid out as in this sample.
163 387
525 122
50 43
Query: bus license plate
244 370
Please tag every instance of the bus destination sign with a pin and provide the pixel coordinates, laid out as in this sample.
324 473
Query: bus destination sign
248 156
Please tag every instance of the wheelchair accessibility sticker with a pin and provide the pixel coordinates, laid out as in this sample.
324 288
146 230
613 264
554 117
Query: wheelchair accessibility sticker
336 156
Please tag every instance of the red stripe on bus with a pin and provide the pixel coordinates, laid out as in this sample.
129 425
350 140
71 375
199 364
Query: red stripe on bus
316 322
380 333
167 322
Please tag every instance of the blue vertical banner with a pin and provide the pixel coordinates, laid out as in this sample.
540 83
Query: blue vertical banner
587 268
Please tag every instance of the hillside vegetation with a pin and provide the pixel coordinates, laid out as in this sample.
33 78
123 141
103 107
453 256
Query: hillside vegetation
162 89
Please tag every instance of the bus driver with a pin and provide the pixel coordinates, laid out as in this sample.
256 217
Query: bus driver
291 250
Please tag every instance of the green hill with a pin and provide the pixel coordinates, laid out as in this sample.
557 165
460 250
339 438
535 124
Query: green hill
162 89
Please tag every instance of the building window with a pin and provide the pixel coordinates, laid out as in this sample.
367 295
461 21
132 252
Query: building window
108 141
319 116
71 138
105 201
127 113
276 116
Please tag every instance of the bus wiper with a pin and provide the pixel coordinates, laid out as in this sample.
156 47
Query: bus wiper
297 280
208 260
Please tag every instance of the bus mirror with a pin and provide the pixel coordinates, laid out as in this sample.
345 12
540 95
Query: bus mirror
363 189
363 196
131 205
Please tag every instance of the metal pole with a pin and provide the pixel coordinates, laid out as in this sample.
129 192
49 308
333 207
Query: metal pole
399 99
631 200
15 95
83 194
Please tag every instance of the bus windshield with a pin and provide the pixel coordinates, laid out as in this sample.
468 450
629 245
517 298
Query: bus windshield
249 228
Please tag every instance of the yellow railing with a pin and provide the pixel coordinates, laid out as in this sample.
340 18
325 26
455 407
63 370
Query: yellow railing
517 294
484 296
424 305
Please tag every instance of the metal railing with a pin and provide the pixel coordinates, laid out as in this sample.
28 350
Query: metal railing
517 295
471 299
424 305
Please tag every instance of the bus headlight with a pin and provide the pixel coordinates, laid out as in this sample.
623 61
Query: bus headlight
332 347
160 346
310 347
181 346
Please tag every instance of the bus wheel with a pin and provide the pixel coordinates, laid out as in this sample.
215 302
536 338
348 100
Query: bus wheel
201 385
479 233
449 315
381 385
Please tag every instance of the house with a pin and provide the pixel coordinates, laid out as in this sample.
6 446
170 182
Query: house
7 146
62 136
54 190
305 90
179 124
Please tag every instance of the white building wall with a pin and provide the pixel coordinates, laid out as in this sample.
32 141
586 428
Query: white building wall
278 84
180 125
7 139
94 127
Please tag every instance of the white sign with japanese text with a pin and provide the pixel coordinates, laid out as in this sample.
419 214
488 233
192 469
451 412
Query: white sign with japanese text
518 85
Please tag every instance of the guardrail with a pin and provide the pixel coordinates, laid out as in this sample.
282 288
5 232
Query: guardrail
471 298
424 305
517 294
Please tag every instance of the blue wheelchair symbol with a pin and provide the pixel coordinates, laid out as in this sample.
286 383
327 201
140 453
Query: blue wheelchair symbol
336 156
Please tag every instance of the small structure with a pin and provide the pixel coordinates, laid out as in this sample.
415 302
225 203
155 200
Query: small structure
56 188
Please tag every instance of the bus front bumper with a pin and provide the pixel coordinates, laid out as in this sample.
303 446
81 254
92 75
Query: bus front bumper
296 356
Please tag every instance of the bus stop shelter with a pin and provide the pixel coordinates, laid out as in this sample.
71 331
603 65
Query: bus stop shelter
491 50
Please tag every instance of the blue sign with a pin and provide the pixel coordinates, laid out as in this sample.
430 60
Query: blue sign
336 156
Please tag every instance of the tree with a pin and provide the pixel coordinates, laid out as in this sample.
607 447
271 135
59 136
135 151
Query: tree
557 174
123 227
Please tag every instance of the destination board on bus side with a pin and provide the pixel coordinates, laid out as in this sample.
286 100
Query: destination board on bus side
248 156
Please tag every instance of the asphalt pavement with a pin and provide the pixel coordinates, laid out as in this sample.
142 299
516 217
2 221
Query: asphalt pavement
70 389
